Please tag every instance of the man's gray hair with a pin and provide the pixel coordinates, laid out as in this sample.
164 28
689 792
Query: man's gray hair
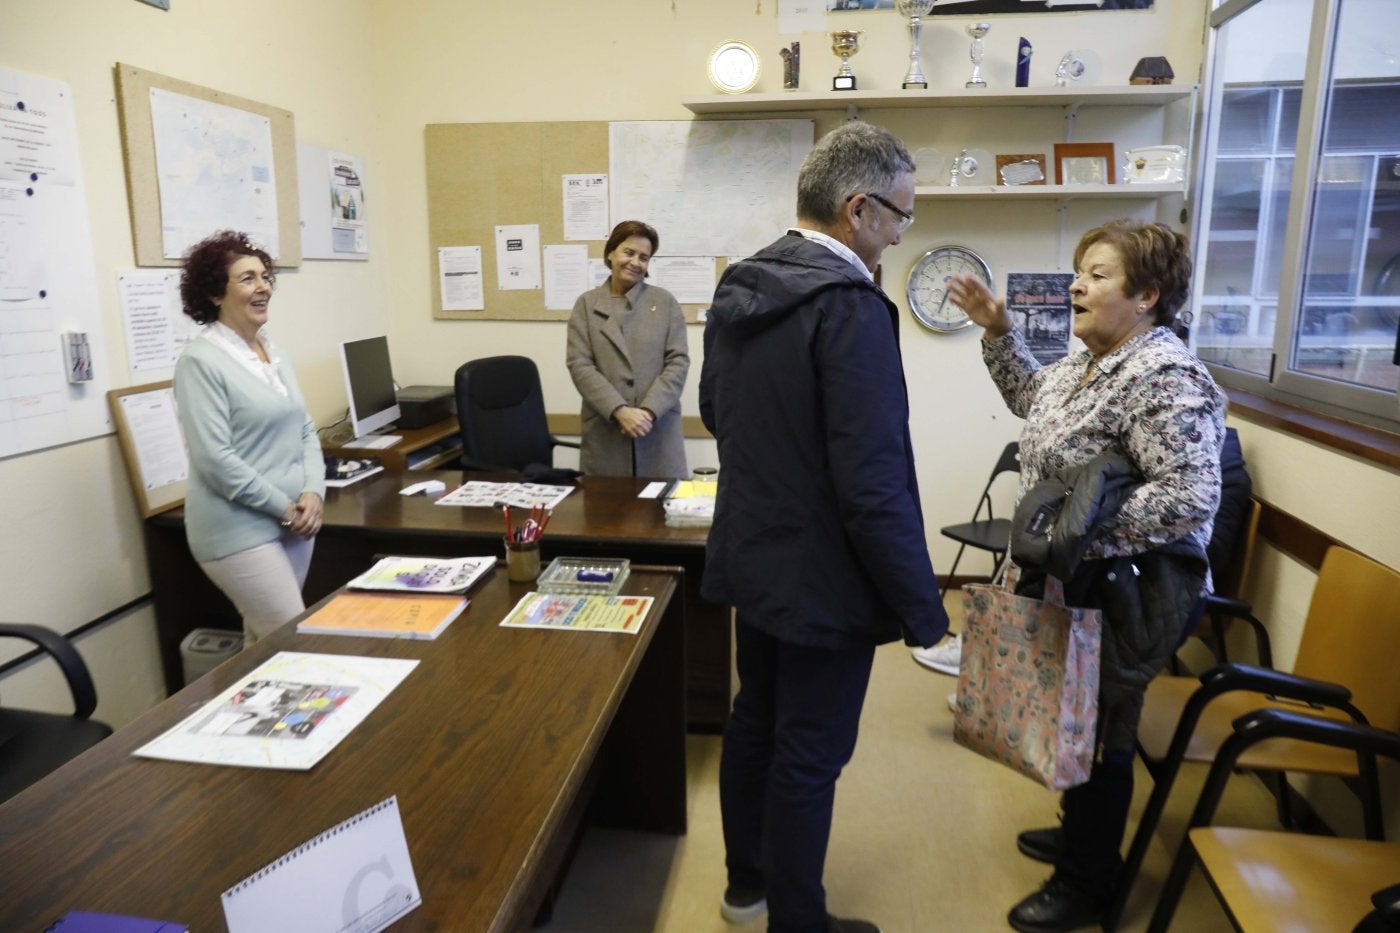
855 158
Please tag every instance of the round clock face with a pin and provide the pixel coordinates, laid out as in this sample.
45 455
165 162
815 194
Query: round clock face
734 67
928 286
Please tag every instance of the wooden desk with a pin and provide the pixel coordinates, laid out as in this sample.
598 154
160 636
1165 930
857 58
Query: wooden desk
601 518
495 744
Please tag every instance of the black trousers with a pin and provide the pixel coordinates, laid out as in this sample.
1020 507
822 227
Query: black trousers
792 730
1095 815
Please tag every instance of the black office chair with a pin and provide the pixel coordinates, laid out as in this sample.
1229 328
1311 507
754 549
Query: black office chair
990 533
33 743
500 407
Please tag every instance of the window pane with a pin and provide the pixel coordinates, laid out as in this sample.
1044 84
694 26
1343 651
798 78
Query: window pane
1256 91
1347 329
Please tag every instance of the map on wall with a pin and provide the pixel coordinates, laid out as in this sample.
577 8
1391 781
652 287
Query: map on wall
214 164
710 189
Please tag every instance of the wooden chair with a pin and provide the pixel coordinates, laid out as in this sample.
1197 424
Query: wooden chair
1345 670
1268 881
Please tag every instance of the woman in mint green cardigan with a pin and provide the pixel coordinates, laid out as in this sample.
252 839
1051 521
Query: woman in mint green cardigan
257 477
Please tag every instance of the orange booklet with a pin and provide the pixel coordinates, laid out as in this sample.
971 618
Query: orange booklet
384 615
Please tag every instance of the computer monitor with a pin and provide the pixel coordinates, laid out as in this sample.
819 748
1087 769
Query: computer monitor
369 383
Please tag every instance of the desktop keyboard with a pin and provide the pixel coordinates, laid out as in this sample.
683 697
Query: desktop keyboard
374 441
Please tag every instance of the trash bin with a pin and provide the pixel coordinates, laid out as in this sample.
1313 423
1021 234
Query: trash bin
206 648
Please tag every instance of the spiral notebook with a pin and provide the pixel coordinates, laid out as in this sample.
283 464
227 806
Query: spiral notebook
355 877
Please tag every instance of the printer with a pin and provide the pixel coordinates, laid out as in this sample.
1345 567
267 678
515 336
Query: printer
420 406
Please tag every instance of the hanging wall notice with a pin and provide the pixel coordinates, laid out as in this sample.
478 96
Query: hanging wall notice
48 292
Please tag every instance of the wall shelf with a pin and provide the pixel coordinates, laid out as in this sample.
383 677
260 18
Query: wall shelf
1045 192
790 101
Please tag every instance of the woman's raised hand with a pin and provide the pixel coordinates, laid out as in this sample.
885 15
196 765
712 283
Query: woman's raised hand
986 310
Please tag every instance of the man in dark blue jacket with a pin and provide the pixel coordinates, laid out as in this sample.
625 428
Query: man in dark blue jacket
818 541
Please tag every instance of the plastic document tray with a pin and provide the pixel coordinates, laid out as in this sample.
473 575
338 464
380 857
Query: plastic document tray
581 576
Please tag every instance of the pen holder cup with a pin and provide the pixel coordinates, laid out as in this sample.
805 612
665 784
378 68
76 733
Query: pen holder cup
522 561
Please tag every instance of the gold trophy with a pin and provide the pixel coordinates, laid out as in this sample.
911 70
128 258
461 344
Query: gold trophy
845 43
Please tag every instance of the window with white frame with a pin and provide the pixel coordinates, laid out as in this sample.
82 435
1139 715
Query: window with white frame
1298 240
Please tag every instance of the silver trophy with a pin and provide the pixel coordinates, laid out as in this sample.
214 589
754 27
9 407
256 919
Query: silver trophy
977 31
845 43
914 9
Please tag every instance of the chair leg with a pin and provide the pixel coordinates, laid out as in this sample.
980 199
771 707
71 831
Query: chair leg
1370 793
1165 776
948 580
1172 888
1284 800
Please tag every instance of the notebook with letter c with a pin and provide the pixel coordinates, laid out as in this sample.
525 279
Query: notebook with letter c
355 877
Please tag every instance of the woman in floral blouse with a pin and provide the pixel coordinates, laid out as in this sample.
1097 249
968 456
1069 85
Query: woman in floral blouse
1136 391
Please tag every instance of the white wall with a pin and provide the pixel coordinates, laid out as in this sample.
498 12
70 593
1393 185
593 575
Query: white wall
70 537
367 76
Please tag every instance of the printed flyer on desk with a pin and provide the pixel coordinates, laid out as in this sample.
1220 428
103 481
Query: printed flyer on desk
288 713
580 613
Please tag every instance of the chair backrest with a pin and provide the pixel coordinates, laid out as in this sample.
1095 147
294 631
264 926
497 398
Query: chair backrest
33 743
1352 633
500 407
1008 462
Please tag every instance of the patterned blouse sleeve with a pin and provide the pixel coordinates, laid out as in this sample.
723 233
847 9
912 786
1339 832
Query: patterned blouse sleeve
1172 432
1014 369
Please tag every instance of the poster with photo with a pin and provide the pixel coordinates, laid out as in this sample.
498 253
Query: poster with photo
1039 304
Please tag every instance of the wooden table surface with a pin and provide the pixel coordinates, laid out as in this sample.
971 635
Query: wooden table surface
493 744
602 508
603 517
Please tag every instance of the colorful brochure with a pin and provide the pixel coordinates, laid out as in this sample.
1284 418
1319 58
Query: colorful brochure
287 713
580 613
424 574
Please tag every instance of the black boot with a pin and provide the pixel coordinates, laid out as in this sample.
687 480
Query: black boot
1057 907
1043 845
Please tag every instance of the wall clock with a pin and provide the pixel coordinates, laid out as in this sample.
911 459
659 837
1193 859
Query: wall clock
928 286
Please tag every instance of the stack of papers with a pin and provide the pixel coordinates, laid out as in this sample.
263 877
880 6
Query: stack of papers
385 615
689 507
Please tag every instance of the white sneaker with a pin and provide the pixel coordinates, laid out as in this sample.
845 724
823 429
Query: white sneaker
744 908
944 657
953 701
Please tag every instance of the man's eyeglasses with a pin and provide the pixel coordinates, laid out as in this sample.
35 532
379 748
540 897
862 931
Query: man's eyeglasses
905 218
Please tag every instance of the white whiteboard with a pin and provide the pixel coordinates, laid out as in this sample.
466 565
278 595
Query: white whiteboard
48 283
723 188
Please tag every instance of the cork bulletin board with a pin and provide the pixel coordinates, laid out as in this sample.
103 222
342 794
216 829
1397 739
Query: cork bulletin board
143 184
481 175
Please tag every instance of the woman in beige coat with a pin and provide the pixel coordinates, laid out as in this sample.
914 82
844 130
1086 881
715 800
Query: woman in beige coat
628 357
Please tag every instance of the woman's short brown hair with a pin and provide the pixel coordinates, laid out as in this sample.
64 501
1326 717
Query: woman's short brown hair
204 274
1153 256
630 228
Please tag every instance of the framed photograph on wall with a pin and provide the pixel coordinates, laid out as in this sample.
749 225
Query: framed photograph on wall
1084 164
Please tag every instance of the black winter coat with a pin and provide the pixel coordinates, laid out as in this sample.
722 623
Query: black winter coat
818 538
1150 602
